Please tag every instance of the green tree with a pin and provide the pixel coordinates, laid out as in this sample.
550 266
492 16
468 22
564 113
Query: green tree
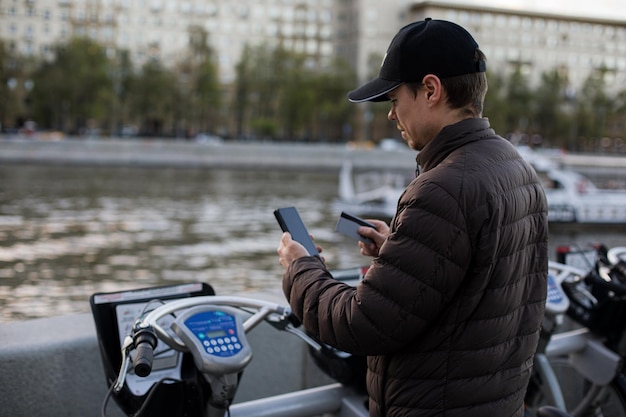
620 103
594 109
549 117
122 75
519 95
267 80
496 103
279 94
8 84
375 124
257 90
298 98
333 113
243 90
618 122
7 100
15 88
197 73
73 90
154 98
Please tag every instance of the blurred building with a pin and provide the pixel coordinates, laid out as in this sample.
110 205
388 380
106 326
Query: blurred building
536 42
359 30
160 28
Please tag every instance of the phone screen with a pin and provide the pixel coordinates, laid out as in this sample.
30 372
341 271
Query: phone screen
290 221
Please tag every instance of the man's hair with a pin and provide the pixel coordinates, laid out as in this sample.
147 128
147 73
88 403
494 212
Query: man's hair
464 91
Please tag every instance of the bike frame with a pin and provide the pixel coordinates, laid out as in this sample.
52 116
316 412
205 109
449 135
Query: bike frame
586 353
335 399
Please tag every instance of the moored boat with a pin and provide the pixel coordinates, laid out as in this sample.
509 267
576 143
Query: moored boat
572 197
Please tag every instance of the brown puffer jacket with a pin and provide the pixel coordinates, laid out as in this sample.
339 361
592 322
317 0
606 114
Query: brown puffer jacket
449 313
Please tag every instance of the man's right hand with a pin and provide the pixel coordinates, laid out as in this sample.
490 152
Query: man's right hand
377 236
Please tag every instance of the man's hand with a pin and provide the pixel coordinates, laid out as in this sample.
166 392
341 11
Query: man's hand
289 250
378 236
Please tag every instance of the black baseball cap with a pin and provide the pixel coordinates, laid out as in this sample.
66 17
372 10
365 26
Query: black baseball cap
437 47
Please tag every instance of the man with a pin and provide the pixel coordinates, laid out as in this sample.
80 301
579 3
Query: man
449 312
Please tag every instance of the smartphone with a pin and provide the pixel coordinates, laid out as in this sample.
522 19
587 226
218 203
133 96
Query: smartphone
349 224
290 221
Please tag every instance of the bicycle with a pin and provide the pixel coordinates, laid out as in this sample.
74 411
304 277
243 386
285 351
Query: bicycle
579 371
185 350
186 356
599 297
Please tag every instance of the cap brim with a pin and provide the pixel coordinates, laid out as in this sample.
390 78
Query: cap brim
375 90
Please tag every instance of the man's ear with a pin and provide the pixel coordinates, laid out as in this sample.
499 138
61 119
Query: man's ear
433 88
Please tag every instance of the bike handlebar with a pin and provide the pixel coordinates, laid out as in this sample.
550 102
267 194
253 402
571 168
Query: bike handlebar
147 331
264 309
614 255
145 341
563 272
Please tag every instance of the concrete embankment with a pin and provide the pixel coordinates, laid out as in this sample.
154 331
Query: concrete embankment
243 155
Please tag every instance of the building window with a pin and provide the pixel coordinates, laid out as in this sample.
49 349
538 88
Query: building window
288 30
311 46
326 32
539 24
29 49
553 25
527 39
271 30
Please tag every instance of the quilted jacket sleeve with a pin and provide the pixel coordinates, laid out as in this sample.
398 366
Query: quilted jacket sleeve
419 269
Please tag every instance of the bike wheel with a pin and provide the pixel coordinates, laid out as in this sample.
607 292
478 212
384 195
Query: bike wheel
608 401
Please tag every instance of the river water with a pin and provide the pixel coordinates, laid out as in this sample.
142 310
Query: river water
68 232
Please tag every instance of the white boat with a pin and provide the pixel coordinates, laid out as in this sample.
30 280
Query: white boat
572 197
370 194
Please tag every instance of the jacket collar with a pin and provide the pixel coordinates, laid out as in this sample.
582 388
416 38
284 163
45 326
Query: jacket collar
450 138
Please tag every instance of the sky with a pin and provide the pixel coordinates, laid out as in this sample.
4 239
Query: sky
604 9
